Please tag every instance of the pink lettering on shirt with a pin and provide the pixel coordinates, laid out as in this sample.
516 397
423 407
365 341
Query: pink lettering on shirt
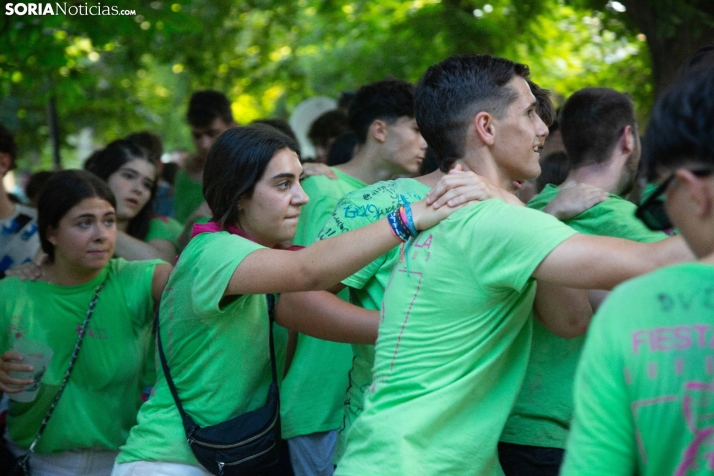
679 366
652 370
637 340
667 339
424 244
701 330
698 421
683 340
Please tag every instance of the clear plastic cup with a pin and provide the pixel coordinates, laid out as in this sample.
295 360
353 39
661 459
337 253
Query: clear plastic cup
37 354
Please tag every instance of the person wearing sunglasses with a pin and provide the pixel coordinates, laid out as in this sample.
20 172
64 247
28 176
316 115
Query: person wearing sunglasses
643 387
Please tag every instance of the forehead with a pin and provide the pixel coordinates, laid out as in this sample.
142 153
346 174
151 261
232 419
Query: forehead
142 167
90 206
217 125
284 161
525 96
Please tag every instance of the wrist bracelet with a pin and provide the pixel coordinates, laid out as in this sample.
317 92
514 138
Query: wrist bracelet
398 228
410 219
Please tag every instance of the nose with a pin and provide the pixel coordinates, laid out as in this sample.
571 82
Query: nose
422 142
541 128
102 232
300 198
137 187
205 143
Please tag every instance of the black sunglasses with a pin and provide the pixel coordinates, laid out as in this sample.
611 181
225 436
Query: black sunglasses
652 212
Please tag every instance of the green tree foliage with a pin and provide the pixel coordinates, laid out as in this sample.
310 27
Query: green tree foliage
118 74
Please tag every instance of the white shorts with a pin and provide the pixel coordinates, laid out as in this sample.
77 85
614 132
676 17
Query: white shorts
69 463
158 468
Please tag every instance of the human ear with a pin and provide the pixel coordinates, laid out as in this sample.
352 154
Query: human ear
378 130
485 127
699 190
51 235
627 139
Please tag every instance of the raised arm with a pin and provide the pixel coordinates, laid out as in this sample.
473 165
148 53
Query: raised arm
326 262
133 249
600 262
323 315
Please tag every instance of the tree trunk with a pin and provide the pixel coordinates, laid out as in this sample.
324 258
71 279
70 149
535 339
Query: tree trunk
674 32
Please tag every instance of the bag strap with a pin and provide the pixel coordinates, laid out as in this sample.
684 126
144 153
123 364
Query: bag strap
188 424
72 360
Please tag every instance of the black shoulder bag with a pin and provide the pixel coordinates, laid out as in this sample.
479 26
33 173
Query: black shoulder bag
248 444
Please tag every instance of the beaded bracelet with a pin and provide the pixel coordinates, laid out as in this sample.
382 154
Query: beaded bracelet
398 228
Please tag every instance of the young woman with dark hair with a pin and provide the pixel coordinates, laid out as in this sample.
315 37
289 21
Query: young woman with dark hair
77 227
214 316
131 175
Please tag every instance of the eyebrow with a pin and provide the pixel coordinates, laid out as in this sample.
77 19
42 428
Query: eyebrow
131 169
534 104
91 215
283 175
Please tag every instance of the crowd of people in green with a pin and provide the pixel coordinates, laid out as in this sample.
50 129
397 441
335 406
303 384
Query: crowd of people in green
466 281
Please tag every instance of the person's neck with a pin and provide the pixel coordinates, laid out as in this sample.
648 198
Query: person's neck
122 225
65 275
606 176
485 166
7 207
194 167
430 180
368 165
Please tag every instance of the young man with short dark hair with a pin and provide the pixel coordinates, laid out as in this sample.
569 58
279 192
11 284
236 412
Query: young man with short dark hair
209 115
382 115
456 316
366 287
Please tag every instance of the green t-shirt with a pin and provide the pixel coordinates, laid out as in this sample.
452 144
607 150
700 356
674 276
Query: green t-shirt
314 388
101 399
188 196
647 191
366 286
217 350
453 344
643 388
544 408
164 228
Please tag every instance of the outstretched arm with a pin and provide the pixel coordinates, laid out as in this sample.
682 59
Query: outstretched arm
326 262
316 267
323 315
133 249
600 262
